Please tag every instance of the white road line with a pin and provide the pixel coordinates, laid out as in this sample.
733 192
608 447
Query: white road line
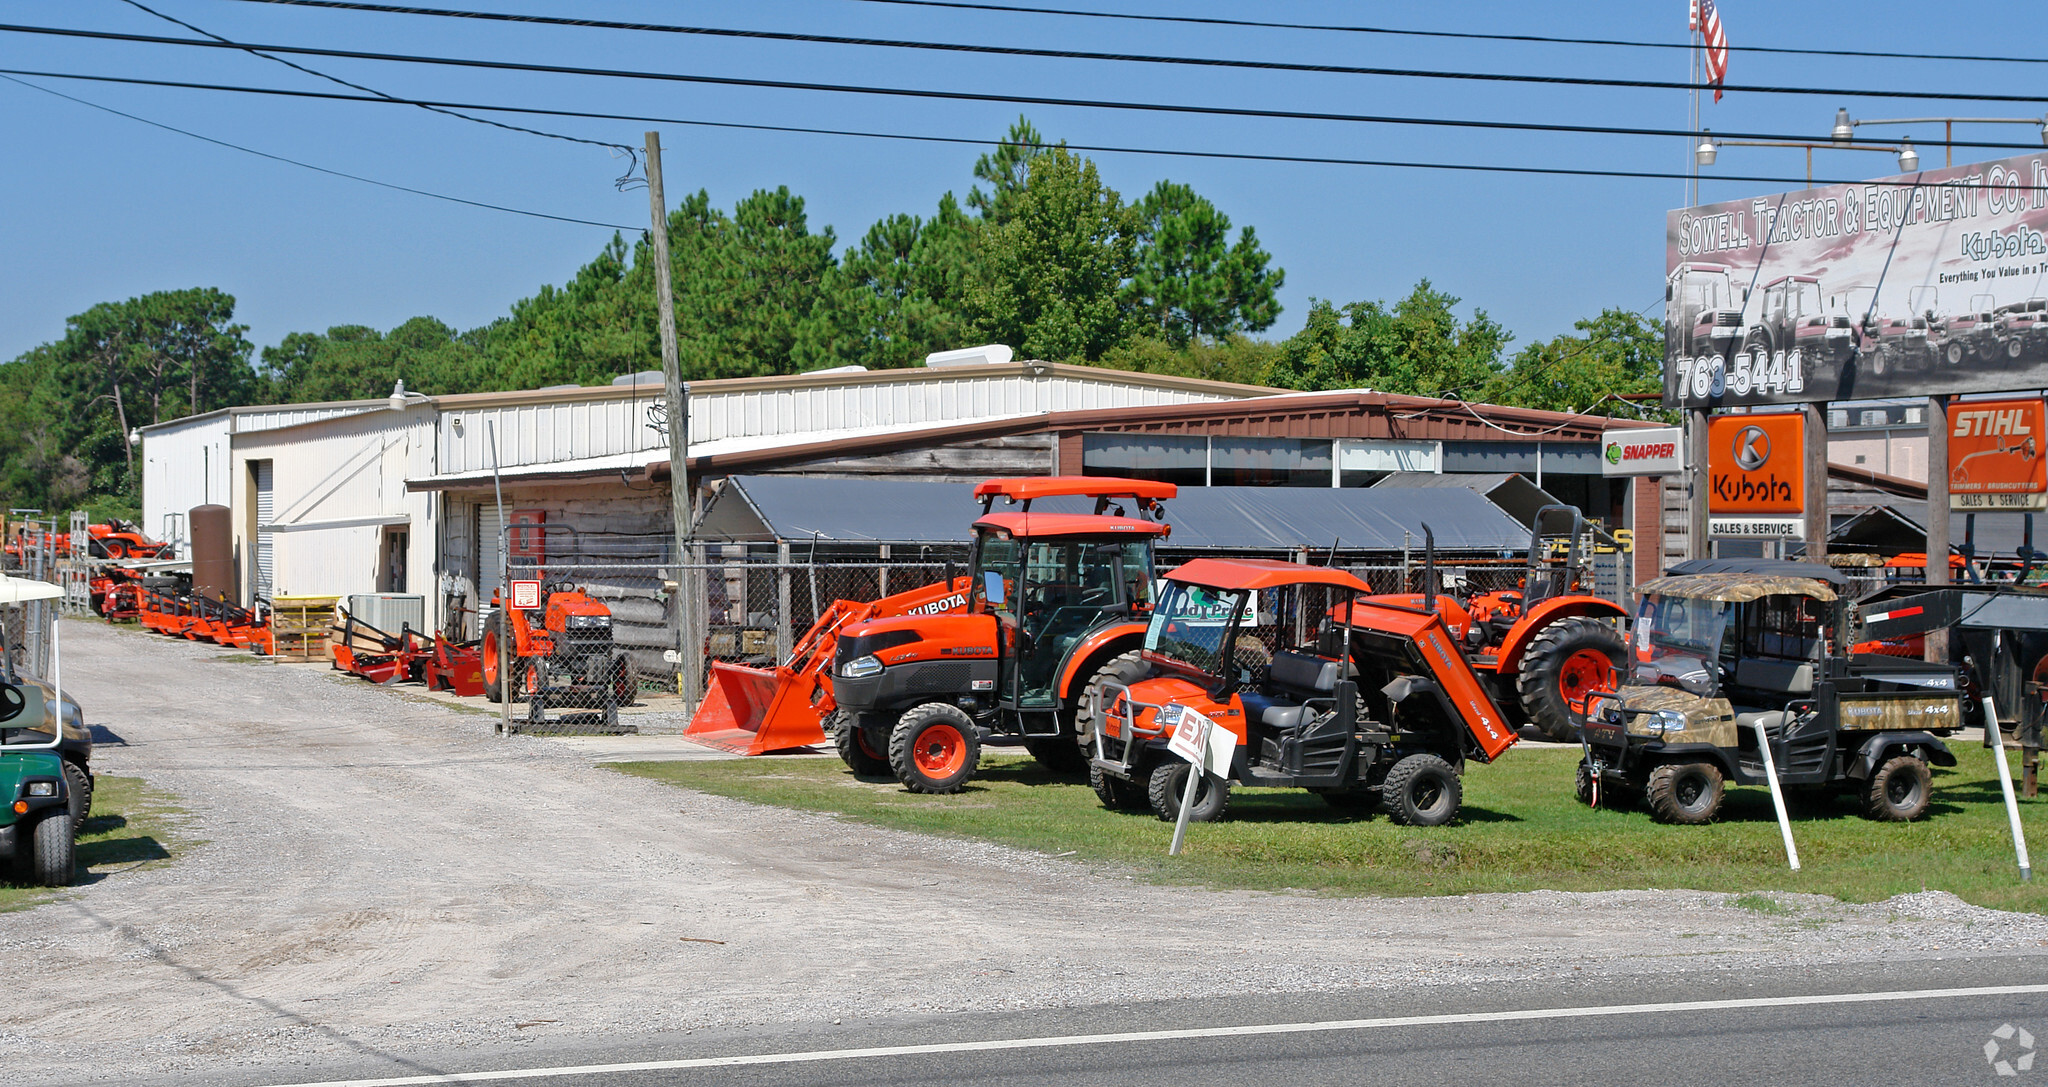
1331 1026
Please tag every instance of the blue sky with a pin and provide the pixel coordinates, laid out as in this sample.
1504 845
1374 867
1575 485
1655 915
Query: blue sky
101 208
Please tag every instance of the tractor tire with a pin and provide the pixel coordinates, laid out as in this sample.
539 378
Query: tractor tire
1126 669
1898 791
1422 791
491 654
934 748
78 783
1564 662
2013 349
1117 794
1954 353
855 751
1058 754
1168 782
52 847
1687 793
117 549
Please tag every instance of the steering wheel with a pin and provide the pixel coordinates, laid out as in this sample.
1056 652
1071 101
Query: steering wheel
1096 597
12 701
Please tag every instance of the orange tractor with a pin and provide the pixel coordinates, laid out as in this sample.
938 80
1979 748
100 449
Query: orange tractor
117 539
1380 709
556 653
1544 646
913 684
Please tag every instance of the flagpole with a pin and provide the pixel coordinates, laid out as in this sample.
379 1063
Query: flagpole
1692 160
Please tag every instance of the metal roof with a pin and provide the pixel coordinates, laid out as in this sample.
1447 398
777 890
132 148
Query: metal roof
1511 491
1237 519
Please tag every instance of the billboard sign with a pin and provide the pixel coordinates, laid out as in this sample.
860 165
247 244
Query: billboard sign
1651 451
1925 283
1995 457
1756 464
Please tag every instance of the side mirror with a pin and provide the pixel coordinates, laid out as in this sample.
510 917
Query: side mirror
992 588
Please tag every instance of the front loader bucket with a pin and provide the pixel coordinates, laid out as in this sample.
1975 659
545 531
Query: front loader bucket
752 711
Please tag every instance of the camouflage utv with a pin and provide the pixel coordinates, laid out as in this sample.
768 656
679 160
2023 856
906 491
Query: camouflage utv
1725 649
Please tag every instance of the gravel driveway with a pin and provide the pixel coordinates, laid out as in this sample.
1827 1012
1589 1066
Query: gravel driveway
380 873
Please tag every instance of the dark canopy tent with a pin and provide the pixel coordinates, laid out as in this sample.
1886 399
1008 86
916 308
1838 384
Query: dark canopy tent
1242 520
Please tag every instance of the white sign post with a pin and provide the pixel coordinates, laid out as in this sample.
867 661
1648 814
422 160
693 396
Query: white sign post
1763 746
2012 804
1207 749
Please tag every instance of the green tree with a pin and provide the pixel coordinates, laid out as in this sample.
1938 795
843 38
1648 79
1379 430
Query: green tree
1190 280
747 285
1617 352
1007 170
1417 346
896 296
1049 278
351 362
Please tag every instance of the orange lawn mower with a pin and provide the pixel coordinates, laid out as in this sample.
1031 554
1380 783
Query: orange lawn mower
558 652
116 539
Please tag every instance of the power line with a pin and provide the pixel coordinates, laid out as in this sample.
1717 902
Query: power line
734 81
632 153
1254 23
309 166
1245 156
1346 117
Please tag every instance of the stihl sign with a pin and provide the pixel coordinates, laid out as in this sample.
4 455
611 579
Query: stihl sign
1756 464
1995 457
1653 452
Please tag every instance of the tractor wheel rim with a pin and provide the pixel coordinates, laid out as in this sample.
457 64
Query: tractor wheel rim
1584 672
1426 795
940 751
1901 790
490 660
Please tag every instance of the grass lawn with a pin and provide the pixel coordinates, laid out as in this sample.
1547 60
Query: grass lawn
130 825
1520 830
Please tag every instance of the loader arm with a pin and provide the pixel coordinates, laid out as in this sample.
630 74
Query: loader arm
753 711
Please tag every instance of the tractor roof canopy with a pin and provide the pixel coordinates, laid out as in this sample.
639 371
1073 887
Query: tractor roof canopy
1029 487
1041 525
1260 574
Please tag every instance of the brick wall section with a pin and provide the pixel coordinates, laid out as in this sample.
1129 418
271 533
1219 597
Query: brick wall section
1647 522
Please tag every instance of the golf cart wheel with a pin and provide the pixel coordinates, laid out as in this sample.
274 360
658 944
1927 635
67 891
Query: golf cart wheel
78 782
1685 792
1168 782
854 747
1117 794
1582 785
934 749
1422 791
52 846
1565 662
1899 790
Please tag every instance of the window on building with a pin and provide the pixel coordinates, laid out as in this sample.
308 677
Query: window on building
1270 462
1364 462
1178 460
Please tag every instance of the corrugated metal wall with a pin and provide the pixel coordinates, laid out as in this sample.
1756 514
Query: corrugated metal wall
182 467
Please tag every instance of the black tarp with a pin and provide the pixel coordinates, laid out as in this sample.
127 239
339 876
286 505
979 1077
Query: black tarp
766 509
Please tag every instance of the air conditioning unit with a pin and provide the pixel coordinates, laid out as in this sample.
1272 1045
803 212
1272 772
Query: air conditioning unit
1874 417
390 612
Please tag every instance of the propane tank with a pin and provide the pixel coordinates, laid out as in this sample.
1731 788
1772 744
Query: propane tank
213 553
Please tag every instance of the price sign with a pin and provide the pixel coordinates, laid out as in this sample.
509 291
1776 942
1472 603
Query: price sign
526 594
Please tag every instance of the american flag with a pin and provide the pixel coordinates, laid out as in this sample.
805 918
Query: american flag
1707 21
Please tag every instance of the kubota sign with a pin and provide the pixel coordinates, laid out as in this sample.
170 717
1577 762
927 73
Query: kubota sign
1756 464
1995 458
1652 451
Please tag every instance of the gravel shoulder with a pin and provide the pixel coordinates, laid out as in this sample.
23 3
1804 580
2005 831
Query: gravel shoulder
380 874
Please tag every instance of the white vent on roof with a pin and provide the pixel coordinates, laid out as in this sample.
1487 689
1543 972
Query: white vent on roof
644 377
1916 415
556 388
856 368
1838 418
987 354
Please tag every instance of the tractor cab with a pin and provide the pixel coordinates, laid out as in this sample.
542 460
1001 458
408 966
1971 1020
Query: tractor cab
1049 579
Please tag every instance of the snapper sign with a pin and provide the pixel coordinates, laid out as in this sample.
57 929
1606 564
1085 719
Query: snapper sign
1653 451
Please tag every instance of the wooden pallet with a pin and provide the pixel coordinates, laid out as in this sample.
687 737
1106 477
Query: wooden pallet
301 624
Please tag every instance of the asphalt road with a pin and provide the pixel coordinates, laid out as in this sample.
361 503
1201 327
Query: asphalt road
1909 1023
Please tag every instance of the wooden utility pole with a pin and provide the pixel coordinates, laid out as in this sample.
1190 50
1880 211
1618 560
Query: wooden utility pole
1815 470
677 401
1696 543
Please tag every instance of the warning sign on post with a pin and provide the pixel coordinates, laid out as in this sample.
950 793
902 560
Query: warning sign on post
1197 739
526 594
1995 459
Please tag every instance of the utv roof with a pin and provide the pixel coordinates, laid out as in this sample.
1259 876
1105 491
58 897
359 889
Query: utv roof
1261 574
1041 525
1029 487
1762 568
1736 588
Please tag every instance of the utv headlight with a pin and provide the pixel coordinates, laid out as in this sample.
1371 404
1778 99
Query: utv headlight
1667 721
589 622
42 788
862 667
